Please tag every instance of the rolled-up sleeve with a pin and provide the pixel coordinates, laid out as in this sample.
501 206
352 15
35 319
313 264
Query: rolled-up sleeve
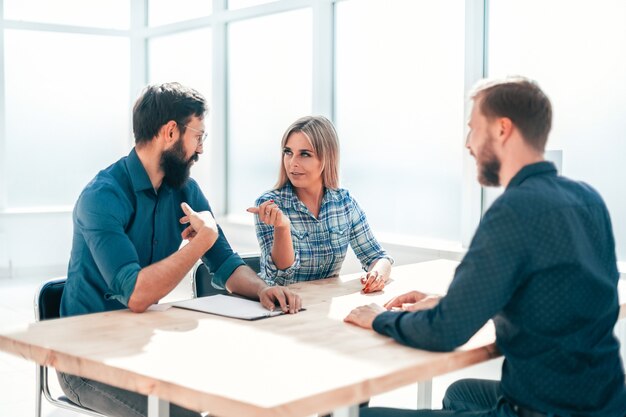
123 284
225 270
275 276
101 216
221 260
269 272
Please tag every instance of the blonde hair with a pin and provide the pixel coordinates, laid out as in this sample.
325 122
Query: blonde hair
323 138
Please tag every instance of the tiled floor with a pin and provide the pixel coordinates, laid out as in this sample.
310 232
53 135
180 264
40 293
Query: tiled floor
17 376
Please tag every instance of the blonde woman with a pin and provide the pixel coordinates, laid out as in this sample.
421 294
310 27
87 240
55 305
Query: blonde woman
304 225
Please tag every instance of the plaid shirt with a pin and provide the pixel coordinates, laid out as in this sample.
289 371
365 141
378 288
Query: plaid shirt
320 244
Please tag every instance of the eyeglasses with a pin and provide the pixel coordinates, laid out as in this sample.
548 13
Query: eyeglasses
202 132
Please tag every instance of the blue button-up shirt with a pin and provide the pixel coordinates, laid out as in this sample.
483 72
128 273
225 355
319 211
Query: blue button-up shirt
121 225
320 244
542 264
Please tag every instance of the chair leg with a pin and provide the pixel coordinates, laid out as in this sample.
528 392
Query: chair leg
38 379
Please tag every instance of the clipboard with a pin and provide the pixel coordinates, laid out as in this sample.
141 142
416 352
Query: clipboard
228 306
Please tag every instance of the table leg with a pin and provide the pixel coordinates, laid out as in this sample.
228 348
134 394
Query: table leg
424 394
158 407
349 411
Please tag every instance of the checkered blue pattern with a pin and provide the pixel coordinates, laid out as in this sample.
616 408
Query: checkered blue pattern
320 244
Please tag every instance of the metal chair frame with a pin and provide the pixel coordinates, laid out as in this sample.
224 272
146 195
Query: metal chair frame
44 296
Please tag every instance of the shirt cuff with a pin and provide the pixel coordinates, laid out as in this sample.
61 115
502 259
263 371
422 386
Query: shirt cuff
281 276
389 258
384 320
224 272
123 284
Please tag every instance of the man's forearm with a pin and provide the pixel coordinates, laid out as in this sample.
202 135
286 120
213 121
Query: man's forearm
159 279
244 281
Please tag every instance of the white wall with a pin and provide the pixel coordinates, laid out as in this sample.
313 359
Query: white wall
34 244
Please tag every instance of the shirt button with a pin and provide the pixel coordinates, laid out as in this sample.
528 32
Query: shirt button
156 241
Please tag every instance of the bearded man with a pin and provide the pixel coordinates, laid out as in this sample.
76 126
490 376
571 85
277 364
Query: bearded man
542 265
129 223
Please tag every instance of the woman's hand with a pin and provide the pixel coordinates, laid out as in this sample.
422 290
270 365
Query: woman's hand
270 214
377 276
372 281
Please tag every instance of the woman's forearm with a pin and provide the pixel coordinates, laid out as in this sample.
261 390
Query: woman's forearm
283 254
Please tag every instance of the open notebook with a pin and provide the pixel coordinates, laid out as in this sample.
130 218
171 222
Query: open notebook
228 306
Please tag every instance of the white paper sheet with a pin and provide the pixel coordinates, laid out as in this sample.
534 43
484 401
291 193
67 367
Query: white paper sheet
228 306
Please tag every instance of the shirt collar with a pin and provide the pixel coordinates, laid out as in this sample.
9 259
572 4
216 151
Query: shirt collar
138 175
331 195
288 196
538 168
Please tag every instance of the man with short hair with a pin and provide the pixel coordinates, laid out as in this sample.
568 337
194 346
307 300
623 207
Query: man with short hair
129 222
542 264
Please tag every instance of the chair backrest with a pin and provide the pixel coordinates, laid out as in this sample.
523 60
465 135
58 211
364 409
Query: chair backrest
202 277
47 305
48 299
253 260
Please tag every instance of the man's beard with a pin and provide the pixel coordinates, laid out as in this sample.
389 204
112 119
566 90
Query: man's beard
174 165
489 166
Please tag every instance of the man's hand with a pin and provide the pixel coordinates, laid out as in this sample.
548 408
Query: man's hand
364 316
289 301
201 224
413 301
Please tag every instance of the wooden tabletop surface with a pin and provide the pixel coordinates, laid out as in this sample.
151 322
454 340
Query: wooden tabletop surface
291 365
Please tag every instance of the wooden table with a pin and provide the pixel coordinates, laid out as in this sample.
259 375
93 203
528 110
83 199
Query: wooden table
292 365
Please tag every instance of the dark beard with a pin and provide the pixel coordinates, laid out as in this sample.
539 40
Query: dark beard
490 173
174 165
489 168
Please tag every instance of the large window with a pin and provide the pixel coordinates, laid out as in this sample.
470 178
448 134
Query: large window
66 113
269 87
111 14
185 57
581 67
161 12
240 4
391 74
399 113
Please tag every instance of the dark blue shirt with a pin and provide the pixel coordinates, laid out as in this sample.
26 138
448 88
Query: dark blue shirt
542 264
121 225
